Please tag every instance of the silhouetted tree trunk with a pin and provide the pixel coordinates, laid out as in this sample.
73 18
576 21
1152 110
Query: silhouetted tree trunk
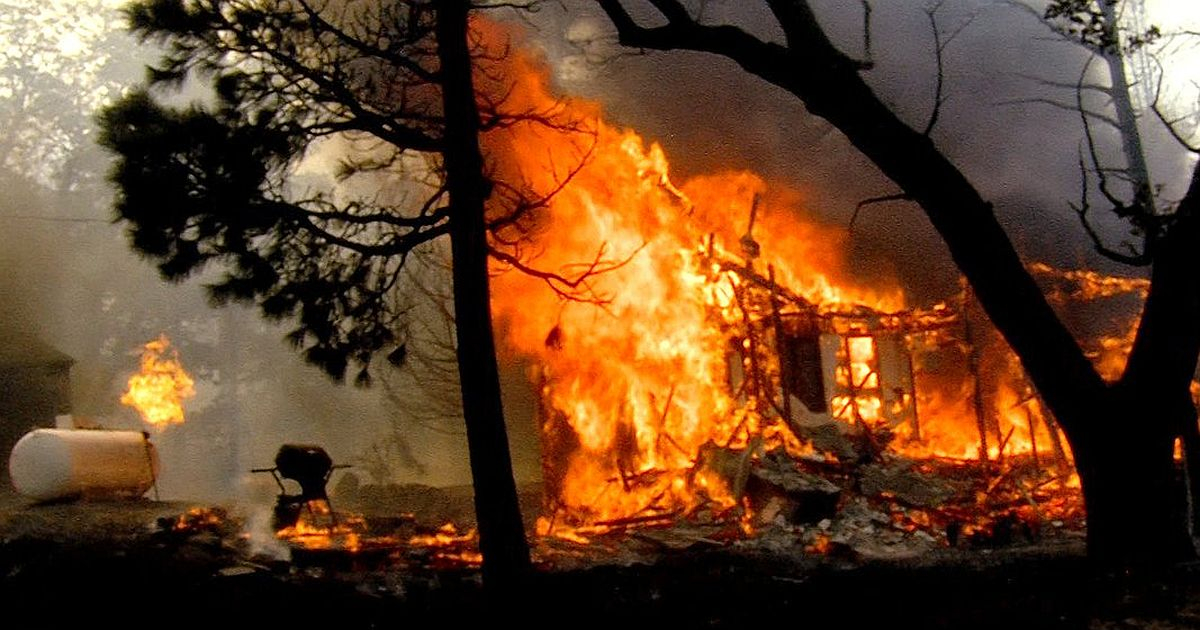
1125 455
332 265
501 532
1121 434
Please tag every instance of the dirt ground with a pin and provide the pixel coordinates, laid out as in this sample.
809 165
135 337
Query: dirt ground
122 565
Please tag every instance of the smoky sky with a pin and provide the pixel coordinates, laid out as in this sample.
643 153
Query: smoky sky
711 115
69 277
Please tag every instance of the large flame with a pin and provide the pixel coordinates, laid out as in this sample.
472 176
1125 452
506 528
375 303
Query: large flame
637 319
632 362
159 389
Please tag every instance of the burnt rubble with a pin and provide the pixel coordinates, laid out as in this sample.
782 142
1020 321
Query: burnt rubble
190 566
777 488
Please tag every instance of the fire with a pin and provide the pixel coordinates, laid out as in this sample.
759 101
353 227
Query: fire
449 546
1012 417
318 528
634 365
445 536
859 376
159 389
199 518
658 327
322 530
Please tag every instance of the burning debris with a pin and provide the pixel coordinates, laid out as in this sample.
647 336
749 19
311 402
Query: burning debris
448 547
310 467
315 534
197 519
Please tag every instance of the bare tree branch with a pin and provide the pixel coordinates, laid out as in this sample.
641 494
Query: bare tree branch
939 48
1108 120
1082 210
868 58
1064 85
940 78
391 56
1162 118
875 200
575 289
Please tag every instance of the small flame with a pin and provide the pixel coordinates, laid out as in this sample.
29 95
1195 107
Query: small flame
445 536
318 528
451 547
157 392
200 518
859 375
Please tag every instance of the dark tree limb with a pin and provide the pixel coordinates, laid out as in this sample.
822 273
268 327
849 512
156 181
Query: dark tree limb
1083 209
506 562
1108 120
1169 124
868 58
875 200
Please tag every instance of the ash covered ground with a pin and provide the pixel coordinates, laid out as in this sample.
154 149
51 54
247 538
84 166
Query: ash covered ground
131 564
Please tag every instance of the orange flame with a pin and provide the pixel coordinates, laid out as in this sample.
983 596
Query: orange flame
858 374
445 536
637 323
318 528
633 366
158 391
450 546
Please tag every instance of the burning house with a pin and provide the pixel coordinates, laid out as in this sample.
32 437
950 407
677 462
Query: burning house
820 382
689 330
812 366
803 384
686 336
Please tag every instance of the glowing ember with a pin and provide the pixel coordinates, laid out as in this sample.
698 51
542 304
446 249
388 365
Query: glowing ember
157 391
445 536
449 546
200 518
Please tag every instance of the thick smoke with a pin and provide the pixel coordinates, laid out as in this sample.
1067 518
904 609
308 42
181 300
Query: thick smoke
1021 154
70 279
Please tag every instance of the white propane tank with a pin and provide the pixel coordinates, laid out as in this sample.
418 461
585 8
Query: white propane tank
49 464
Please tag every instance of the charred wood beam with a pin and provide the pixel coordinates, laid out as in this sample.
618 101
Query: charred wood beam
785 364
645 519
906 321
977 389
754 373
